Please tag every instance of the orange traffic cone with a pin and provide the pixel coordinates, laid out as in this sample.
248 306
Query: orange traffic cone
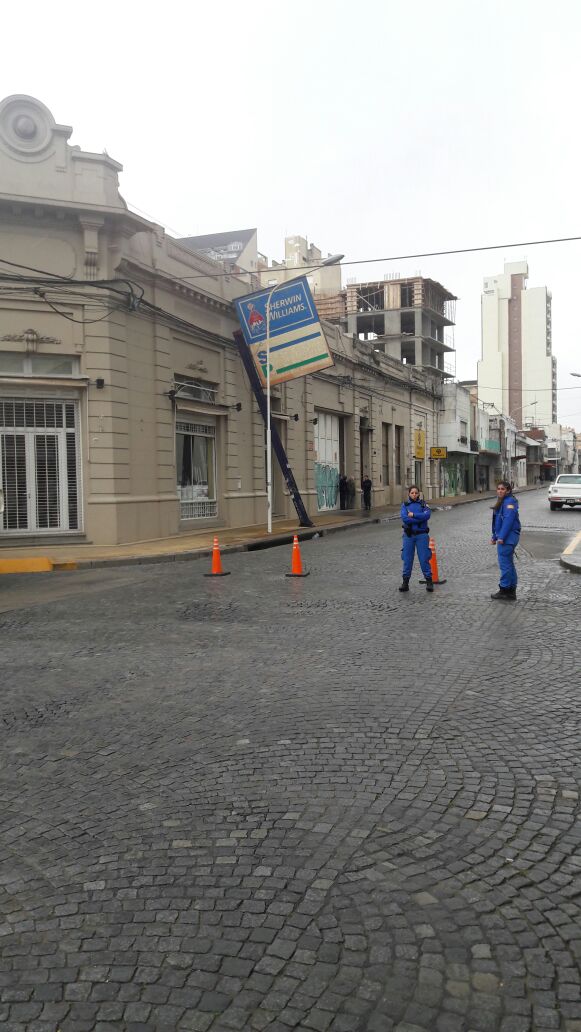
434 564
217 570
296 562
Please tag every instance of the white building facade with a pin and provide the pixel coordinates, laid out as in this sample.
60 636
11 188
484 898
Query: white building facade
517 372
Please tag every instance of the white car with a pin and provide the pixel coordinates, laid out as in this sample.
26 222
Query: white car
566 490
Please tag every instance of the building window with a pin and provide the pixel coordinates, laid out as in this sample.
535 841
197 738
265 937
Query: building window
407 296
16 363
196 470
39 466
399 458
195 389
408 323
385 446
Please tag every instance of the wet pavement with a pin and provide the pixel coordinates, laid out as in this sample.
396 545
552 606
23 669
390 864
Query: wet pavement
262 803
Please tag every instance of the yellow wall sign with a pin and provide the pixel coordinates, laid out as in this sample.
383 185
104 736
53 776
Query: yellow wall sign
438 453
420 444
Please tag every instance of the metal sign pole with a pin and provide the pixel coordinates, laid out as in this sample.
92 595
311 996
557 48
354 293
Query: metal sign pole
268 423
259 394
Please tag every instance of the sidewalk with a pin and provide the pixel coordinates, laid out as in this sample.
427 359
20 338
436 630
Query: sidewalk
75 556
571 557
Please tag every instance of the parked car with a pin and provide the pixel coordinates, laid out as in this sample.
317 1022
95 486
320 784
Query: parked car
565 490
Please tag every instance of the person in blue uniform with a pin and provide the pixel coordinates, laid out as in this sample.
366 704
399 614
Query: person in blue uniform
505 535
414 517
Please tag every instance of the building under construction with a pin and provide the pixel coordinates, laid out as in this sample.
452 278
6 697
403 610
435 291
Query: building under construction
410 320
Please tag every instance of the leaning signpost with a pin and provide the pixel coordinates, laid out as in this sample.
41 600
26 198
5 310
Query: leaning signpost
282 339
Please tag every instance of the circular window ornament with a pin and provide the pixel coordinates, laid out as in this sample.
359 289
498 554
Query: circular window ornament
26 125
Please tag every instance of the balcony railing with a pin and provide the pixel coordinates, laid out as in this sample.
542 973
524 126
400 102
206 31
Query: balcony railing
473 444
490 445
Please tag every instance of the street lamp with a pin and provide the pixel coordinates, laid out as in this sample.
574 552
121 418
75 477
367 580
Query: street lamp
334 259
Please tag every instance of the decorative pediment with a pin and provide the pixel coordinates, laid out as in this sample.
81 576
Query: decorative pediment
31 339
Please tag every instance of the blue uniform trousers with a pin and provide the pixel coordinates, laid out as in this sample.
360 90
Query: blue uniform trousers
508 577
419 543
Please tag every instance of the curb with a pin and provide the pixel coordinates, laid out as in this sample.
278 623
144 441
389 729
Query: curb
34 564
569 563
257 544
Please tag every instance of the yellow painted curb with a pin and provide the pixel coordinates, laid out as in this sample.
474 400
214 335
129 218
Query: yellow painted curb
67 564
38 564
576 543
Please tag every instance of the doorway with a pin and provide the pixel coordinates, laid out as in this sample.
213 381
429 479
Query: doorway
327 455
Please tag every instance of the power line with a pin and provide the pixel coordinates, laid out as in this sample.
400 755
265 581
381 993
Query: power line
146 308
391 258
83 322
527 390
105 284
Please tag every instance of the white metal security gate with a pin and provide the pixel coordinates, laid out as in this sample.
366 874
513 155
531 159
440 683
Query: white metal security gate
39 463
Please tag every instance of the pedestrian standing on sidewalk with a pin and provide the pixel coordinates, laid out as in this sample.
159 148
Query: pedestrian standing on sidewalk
366 485
343 491
414 517
505 535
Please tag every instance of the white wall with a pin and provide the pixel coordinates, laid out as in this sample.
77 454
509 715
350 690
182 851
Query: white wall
493 367
537 375
456 408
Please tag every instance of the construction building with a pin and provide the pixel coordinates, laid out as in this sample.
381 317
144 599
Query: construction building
410 320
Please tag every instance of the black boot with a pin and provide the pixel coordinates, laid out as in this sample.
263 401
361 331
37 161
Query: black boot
503 594
405 584
511 594
429 584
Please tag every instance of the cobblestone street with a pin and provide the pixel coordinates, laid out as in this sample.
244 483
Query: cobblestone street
262 803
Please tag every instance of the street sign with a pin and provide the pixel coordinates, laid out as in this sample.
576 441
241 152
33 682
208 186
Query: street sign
438 453
297 344
419 444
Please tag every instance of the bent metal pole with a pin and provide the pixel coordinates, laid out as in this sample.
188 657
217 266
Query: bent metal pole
277 445
268 421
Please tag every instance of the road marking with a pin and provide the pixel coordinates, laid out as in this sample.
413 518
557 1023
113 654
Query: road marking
31 564
576 543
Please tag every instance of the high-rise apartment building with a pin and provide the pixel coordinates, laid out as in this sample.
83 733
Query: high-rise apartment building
517 373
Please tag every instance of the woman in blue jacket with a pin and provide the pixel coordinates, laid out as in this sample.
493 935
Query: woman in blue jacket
414 517
505 535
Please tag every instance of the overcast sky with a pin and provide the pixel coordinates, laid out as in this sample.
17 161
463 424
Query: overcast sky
374 128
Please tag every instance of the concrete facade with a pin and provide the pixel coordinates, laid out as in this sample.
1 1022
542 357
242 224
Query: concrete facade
517 372
409 319
126 413
458 470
